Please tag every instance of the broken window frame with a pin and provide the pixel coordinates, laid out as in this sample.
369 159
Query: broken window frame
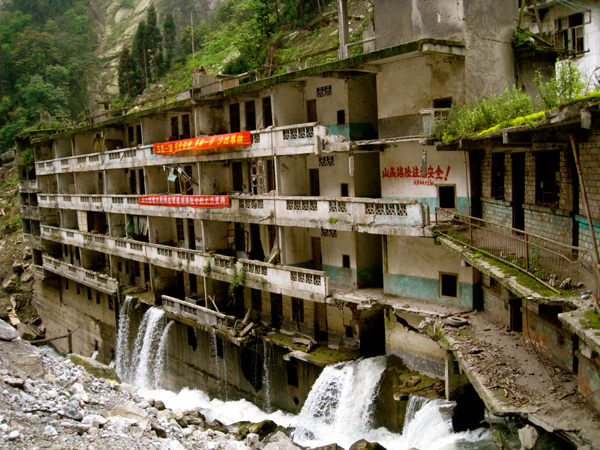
547 170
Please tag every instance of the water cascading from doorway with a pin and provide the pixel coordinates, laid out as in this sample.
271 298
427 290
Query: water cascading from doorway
340 404
142 364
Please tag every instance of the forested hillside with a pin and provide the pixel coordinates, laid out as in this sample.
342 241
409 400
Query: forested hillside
56 56
46 62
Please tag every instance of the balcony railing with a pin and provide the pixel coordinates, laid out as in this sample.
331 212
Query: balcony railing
549 262
293 281
30 212
28 186
86 277
337 213
199 314
288 140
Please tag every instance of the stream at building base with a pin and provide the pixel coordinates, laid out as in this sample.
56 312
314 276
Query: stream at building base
338 408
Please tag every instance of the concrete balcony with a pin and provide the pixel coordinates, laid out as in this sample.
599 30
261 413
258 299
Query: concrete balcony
29 186
32 241
83 276
376 216
30 212
199 316
288 140
301 283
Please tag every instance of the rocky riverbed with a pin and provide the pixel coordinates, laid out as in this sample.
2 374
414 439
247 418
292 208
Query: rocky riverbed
52 403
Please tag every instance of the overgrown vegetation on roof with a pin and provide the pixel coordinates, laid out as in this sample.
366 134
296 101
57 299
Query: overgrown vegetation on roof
513 107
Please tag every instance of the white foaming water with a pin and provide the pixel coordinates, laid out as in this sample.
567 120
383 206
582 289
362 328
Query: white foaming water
266 380
155 325
226 412
162 355
122 355
143 365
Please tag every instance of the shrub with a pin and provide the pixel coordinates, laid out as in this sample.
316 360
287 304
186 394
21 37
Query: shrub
566 86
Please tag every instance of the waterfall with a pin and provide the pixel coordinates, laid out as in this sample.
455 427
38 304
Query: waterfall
338 406
144 375
266 381
161 356
143 365
123 353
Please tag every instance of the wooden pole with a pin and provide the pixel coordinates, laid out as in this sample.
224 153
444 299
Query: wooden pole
587 210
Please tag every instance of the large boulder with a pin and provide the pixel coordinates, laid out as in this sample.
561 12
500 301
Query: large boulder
7 332
263 428
279 441
131 411
94 367
365 445
21 358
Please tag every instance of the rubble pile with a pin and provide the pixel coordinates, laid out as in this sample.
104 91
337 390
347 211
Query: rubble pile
50 403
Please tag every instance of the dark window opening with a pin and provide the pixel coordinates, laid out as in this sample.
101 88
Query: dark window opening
341 117
234 117
175 127
547 177
449 285
350 331
256 298
498 176
89 293
250 116
447 197
292 372
118 266
78 289
346 261
191 337
344 189
239 237
110 302
219 347
442 102
97 298
267 112
180 232
66 284
138 130
272 232
270 175
298 310
185 125
569 32
130 135
311 107
237 175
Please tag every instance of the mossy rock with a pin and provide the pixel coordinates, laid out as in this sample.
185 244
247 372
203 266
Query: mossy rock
263 428
94 367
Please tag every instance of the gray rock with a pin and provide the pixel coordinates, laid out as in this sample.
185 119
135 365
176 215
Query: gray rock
21 358
79 428
160 431
94 420
528 437
262 428
7 332
14 381
70 411
365 445
50 431
130 411
26 276
94 367
10 283
17 267
13 435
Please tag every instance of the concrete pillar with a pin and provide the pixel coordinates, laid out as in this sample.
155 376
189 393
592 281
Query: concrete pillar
343 27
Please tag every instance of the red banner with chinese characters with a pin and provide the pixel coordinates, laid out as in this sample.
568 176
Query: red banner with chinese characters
202 143
195 201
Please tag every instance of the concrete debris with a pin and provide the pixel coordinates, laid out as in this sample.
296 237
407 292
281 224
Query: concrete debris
7 332
528 437
566 284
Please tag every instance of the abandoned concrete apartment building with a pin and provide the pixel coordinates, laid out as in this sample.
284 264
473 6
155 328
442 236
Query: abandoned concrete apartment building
304 203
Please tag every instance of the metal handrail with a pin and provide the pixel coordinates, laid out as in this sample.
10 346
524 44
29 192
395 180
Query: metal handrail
548 261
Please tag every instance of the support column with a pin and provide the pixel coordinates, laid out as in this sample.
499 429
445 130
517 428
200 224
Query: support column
343 27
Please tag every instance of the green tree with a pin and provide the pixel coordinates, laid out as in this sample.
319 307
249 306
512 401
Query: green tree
140 54
169 32
126 73
153 40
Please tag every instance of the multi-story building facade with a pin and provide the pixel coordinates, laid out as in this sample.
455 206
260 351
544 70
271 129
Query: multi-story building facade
296 205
